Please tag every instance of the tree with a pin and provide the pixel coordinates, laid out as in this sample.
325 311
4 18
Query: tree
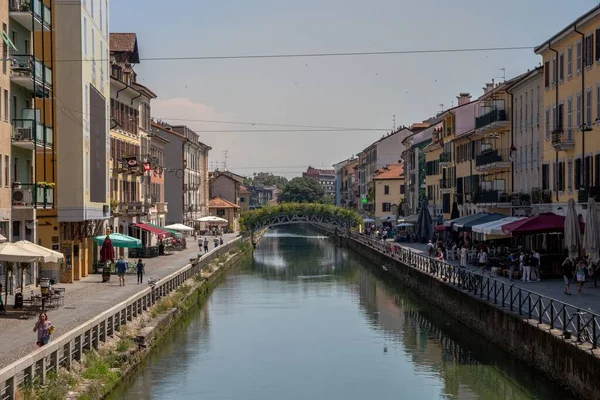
266 179
302 190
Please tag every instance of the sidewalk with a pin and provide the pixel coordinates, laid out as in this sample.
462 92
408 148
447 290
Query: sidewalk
554 288
86 298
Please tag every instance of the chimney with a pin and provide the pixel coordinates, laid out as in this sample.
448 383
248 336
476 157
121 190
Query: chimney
463 98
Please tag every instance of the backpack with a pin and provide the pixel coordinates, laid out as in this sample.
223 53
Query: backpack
527 260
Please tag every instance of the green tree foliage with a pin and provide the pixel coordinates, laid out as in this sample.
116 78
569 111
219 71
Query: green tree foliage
266 179
251 218
302 190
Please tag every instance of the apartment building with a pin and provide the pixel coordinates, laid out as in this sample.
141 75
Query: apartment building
325 177
186 173
414 159
82 157
389 192
571 101
158 206
342 174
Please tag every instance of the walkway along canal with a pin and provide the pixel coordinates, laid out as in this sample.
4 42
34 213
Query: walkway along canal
305 319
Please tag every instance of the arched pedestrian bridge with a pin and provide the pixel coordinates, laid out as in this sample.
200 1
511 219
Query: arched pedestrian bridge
300 213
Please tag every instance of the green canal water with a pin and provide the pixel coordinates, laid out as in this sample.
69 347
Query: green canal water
305 320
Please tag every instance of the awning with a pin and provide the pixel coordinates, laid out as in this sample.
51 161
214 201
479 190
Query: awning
440 228
542 223
7 40
463 220
468 225
493 229
161 233
172 232
413 219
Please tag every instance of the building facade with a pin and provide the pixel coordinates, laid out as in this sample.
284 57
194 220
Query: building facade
414 157
326 178
389 192
227 186
159 207
83 148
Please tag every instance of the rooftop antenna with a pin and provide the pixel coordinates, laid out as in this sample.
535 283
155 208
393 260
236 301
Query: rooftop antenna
225 157
441 106
503 74
394 119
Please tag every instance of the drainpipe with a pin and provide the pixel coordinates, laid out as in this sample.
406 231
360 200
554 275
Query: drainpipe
119 91
583 169
555 131
135 98
512 141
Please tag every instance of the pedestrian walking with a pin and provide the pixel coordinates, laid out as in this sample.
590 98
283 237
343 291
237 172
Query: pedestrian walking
463 256
121 269
536 264
44 329
513 262
581 268
200 242
206 245
221 240
567 272
482 260
140 271
216 242
527 266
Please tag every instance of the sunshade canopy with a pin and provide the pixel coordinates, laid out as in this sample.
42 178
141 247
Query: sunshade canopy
10 252
48 255
494 227
591 237
468 225
160 232
179 227
412 219
213 220
541 223
463 219
119 240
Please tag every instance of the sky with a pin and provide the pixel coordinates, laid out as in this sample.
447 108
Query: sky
360 92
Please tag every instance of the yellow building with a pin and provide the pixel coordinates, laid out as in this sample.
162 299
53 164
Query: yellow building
389 192
571 100
222 208
433 176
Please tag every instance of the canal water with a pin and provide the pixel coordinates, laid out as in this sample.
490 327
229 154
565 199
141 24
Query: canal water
304 319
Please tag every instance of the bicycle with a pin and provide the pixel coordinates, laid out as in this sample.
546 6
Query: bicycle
587 333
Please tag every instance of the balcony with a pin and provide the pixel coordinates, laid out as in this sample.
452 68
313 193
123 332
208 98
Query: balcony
28 133
563 140
162 208
31 73
34 15
131 208
31 195
446 186
492 197
593 192
446 160
493 119
541 196
492 159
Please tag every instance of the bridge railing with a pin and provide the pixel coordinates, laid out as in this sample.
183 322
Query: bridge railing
584 325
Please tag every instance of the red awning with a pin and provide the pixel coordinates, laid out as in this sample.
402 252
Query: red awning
442 228
542 223
161 233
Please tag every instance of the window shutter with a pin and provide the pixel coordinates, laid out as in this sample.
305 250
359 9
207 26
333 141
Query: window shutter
597 44
591 53
547 73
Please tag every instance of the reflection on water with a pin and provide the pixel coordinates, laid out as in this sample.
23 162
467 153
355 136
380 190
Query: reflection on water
306 320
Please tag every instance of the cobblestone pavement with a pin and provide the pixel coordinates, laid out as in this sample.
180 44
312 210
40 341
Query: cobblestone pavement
86 298
554 288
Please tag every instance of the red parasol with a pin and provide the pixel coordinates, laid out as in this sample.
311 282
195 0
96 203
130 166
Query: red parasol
107 252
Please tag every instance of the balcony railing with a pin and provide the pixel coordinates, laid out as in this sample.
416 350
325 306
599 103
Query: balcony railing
593 192
32 195
29 67
561 138
540 196
29 130
492 156
445 157
492 196
490 117
446 184
23 10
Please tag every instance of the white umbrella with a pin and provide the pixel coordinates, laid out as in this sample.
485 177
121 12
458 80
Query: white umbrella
12 253
213 220
572 231
48 256
591 236
369 220
179 227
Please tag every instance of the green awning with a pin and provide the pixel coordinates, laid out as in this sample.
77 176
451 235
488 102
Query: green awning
8 41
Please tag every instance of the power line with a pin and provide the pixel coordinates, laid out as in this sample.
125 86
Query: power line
267 124
315 55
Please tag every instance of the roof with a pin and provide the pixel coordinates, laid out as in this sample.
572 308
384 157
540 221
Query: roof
392 171
578 22
526 76
125 43
230 175
218 202
244 190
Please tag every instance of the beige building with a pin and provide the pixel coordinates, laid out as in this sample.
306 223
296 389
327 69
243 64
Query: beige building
389 191
244 198
222 208
227 186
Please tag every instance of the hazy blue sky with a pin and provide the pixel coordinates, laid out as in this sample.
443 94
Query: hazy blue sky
335 91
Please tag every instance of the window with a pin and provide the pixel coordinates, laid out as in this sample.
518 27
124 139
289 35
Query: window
93 42
87 171
597 102
597 167
539 106
92 8
545 176
578 110
547 122
521 114
386 189
106 9
554 70
403 187
578 56
559 117
588 106
385 207
526 113
570 175
101 19
589 50
6 105
561 176
570 61
84 36
561 67
6 170
577 173
570 114
547 74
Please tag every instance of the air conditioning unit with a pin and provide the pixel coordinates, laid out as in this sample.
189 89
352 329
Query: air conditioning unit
22 133
21 197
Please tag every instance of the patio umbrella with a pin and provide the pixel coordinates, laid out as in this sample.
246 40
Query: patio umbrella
107 252
591 236
116 240
48 256
541 223
455 214
11 253
424 224
213 220
369 220
572 231
179 227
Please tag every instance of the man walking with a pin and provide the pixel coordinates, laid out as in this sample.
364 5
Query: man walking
205 245
140 271
121 269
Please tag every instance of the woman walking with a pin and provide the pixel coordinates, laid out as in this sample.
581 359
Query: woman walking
567 271
581 268
140 271
44 329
